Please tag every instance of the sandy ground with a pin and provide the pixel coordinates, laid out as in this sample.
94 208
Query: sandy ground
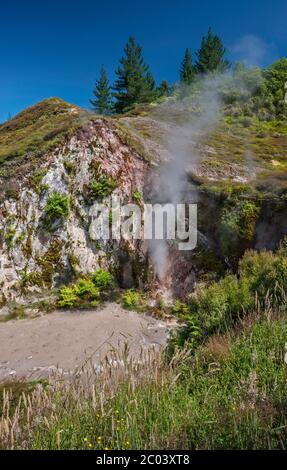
33 348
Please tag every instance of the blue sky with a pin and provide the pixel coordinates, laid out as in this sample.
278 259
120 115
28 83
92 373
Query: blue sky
56 48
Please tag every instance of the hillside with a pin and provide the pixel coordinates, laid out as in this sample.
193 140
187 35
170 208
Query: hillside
221 382
143 238
41 250
33 133
53 155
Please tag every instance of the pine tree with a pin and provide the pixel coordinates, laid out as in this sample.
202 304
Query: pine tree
163 89
186 70
135 83
210 56
102 102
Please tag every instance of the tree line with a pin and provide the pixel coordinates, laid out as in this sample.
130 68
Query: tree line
135 84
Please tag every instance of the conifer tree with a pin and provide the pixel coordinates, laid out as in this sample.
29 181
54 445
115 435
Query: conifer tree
210 56
102 102
163 89
186 70
135 83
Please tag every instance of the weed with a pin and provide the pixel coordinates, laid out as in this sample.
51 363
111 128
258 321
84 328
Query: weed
130 299
58 206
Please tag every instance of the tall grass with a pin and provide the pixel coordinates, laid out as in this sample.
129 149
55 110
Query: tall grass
230 394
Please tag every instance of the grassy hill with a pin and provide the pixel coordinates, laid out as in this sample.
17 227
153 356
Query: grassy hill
32 134
38 129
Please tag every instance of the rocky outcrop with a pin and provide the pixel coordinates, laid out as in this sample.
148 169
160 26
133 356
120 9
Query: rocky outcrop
56 148
34 256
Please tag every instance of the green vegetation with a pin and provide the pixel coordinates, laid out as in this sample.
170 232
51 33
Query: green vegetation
58 206
273 87
137 196
134 83
222 382
37 177
50 262
210 56
222 385
180 309
83 293
102 102
231 394
238 222
266 272
67 297
239 218
69 166
256 92
164 89
215 307
102 187
31 278
102 279
186 70
9 236
86 292
38 129
130 299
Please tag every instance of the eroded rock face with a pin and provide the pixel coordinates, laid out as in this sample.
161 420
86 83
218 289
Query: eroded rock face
38 254
33 256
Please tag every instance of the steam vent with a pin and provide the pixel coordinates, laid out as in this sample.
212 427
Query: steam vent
143 234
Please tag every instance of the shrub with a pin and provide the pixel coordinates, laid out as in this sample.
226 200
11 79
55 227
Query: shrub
137 196
58 206
210 308
237 227
67 297
180 309
9 236
239 218
102 279
130 299
102 187
239 295
219 304
209 305
266 273
77 294
86 289
273 87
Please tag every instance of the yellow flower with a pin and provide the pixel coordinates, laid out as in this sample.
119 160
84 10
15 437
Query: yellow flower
90 445
85 439
99 438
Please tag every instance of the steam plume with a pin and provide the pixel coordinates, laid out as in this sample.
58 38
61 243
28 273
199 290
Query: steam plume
183 139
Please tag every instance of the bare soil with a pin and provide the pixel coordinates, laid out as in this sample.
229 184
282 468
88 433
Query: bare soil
64 340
